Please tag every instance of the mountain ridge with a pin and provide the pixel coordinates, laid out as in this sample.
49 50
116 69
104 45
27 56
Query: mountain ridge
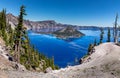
44 26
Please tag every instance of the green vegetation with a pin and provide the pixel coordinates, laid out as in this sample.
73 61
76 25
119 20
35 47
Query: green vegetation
101 35
91 46
108 35
3 26
18 41
85 56
68 32
95 42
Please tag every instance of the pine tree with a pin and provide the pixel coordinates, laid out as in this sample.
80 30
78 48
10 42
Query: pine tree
108 35
52 61
19 34
21 49
95 42
101 35
89 49
3 26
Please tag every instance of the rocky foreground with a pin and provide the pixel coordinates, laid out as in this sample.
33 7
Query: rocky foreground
103 63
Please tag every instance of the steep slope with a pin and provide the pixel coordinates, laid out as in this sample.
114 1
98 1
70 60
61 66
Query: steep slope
103 63
6 61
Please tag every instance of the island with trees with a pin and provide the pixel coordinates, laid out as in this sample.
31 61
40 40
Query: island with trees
68 32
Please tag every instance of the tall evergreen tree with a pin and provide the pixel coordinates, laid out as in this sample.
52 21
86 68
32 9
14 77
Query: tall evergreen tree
3 22
19 34
3 26
95 42
90 48
101 35
108 35
20 46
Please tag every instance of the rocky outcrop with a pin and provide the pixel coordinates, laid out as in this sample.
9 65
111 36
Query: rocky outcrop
48 70
13 21
6 61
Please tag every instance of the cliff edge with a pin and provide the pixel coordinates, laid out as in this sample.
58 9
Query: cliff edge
103 63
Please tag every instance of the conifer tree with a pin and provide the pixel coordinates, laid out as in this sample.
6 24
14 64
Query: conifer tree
19 34
101 35
21 49
108 35
3 26
3 21
95 42
89 49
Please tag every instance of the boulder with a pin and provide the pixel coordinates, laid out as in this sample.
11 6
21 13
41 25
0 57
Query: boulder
48 70
19 67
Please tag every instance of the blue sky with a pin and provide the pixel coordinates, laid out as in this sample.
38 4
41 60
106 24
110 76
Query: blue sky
76 12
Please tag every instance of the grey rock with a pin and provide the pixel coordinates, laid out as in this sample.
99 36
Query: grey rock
48 70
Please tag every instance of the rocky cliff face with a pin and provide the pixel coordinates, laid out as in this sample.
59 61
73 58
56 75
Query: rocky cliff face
37 26
13 20
47 26
6 61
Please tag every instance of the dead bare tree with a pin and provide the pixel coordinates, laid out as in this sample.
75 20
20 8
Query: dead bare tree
115 28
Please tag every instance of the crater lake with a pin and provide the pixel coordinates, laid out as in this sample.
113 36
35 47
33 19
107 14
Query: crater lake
65 52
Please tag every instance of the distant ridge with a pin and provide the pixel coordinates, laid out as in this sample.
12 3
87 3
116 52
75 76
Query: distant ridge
45 26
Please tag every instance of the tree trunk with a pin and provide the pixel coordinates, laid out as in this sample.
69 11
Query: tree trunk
15 54
116 30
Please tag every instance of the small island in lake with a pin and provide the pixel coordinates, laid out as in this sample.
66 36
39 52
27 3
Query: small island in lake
68 32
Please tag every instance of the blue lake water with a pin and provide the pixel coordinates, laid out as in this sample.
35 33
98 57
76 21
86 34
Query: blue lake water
65 52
